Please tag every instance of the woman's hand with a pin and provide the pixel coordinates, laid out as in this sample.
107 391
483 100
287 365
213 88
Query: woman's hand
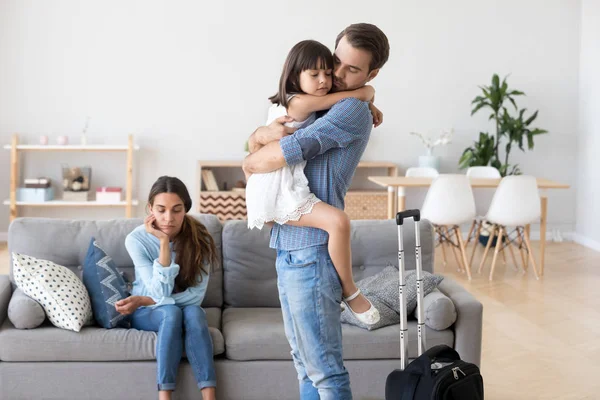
151 228
377 115
366 93
130 304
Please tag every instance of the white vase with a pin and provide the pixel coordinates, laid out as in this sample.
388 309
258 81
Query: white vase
430 161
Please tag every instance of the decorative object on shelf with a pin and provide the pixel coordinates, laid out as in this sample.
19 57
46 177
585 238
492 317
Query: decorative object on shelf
76 196
429 160
107 194
76 179
84 132
35 195
38 183
62 140
43 140
240 186
515 130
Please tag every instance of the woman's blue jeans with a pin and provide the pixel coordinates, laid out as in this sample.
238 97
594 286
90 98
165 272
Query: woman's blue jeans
178 326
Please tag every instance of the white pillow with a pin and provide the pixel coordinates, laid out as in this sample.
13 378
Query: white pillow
60 292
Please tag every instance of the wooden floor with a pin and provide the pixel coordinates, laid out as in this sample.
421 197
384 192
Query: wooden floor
541 339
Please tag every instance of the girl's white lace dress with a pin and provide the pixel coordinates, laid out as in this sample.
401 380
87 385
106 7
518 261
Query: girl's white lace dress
282 195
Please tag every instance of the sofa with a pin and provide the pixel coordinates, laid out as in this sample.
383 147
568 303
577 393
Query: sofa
252 355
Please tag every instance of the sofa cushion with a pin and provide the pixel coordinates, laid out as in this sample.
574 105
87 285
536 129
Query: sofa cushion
106 286
66 242
250 279
24 312
48 343
382 290
438 310
60 292
258 334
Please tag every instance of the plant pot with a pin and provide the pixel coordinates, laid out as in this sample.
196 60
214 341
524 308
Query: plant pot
430 161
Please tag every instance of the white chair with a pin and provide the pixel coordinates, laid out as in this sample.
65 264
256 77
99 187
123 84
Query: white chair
448 204
422 172
516 203
478 221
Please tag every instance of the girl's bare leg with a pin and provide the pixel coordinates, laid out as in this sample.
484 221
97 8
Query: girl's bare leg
337 224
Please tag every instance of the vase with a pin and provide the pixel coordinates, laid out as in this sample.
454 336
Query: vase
430 161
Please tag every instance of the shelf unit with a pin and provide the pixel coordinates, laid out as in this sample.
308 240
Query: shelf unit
231 204
16 148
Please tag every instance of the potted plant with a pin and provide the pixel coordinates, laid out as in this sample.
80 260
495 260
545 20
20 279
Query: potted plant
513 130
430 160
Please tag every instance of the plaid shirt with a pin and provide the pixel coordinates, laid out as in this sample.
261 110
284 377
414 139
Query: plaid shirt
332 147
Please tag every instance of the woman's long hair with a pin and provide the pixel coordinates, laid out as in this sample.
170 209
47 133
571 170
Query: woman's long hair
194 246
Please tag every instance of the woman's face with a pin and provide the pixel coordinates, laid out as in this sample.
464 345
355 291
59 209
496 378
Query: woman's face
169 211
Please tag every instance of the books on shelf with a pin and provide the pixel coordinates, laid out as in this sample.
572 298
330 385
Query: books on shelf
209 180
37 183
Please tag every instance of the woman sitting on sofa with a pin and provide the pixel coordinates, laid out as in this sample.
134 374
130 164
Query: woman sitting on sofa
172 254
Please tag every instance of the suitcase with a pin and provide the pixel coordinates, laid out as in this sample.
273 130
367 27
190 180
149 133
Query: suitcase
438 373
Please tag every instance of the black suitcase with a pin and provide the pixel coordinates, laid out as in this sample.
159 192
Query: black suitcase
438 373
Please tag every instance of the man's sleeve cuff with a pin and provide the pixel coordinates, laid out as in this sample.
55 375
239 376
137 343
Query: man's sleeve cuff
292 152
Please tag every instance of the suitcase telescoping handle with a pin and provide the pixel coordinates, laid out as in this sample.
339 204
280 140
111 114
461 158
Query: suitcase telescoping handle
400 217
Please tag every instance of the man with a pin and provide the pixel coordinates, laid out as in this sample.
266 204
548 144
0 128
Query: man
309 287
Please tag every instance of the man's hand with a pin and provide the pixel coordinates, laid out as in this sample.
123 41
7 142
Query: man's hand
130 304
377 115
270 133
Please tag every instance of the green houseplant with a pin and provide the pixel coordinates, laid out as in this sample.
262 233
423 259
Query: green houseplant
513 130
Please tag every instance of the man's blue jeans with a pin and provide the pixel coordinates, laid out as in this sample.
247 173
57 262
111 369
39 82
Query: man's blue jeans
310 292
173 323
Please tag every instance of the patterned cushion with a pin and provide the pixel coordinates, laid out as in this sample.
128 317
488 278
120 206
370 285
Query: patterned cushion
62 295
382 290
106 286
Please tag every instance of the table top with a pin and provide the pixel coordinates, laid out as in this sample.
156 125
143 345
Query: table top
404 181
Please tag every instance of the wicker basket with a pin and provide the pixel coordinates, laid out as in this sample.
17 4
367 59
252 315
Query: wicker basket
366 204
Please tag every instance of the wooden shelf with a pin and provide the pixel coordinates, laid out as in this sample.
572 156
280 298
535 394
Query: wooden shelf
34 147
65 203
16 148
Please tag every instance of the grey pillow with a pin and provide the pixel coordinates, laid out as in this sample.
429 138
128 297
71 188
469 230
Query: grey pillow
439 311
24 312
382 290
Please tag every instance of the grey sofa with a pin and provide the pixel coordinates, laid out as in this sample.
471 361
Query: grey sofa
252 355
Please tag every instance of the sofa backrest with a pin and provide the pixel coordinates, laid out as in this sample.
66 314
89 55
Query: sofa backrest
65 242
250 279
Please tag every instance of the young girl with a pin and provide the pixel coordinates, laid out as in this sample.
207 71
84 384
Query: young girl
283 196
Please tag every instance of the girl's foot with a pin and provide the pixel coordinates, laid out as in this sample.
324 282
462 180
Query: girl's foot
362 308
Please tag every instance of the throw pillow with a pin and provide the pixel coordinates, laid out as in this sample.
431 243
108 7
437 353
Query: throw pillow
24 312
62 295
382 290
106 286
439 311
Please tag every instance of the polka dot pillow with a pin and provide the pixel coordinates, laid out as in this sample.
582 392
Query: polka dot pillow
60 292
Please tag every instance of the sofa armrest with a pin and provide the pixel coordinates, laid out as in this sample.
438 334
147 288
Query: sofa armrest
5 295
469 321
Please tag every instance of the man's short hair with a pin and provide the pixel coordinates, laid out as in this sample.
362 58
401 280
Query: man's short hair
367 37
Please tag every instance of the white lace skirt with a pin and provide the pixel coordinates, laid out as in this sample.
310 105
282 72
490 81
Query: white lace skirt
279 196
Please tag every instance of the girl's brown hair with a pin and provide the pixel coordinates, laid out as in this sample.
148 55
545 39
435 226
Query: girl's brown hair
308 54
194 246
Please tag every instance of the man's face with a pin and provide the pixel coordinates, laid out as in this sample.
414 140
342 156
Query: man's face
351 67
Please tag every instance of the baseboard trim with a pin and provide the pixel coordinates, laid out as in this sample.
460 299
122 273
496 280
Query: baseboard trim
3 236
587 242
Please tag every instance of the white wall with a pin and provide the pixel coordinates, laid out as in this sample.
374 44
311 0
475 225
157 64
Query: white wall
588 184
190 79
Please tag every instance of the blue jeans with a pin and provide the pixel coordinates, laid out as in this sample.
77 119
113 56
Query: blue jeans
172 322
310 292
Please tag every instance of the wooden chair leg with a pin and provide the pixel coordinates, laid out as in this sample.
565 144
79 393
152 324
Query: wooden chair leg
463 251
498 245
487 248
471 232
512 253
458 262
521 244
476 244
439 232
528 244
